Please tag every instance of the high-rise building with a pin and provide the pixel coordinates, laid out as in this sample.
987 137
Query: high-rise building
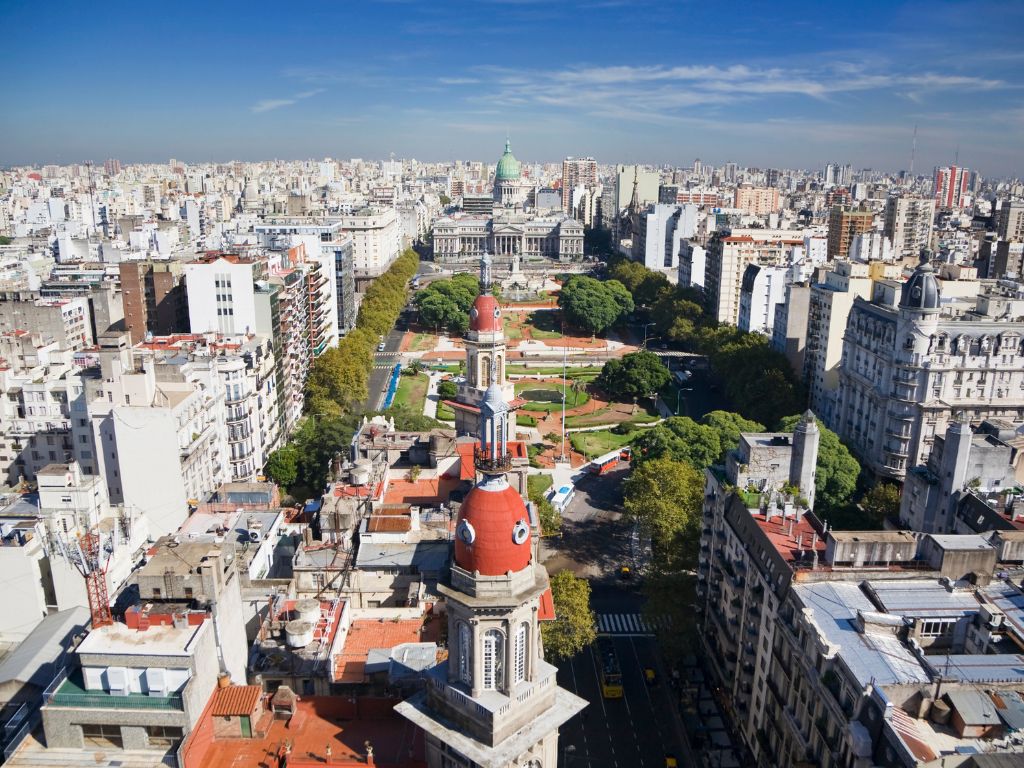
577 172
111 166
845 223
908 225
951 187
153 297
1011 221
726 262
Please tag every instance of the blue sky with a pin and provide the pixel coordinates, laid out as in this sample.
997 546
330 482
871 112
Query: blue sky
766 84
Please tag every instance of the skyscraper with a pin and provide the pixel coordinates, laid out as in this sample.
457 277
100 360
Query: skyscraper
845 223
951 186
908 224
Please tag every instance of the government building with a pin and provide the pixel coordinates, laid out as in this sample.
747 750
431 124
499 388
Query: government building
513 229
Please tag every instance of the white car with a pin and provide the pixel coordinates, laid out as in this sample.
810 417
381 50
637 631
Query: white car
380 347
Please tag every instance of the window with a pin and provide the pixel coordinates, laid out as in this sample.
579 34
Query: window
522 637
103 736
465 654
494 658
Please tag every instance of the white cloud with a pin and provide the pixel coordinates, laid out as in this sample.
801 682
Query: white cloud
266 105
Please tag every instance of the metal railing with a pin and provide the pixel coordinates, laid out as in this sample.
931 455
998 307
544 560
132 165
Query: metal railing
112 701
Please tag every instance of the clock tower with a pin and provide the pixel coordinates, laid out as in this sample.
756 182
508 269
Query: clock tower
495 703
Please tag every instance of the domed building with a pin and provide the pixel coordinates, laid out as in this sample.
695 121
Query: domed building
495 702
485 358
509 190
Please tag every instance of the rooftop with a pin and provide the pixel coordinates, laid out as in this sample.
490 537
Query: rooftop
116 639
366 635
343 724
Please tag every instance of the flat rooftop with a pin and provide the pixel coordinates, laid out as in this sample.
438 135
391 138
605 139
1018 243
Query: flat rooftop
320 721
922 597
120 639
367 635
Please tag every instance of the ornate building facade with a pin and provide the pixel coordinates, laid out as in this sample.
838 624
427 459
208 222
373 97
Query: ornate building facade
908 370
495 702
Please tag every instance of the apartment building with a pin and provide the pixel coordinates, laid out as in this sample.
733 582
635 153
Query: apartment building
728 255
154 298
67 320
908 225
828 309
757 201
657 234
1011 220
946 349
376 239
762 290
844 224
576 172
838 648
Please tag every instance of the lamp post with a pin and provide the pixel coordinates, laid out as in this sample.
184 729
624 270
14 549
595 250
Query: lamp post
646 326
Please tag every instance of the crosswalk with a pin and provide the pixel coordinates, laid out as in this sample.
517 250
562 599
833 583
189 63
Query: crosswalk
384 366
629 624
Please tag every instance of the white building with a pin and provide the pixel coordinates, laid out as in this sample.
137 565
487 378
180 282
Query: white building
908 225
376 238
763 287
692 264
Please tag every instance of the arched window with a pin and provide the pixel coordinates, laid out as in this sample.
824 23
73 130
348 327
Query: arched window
465 654
494 660
522 638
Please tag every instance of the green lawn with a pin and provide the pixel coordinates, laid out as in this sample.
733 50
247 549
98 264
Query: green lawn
536 485
412 392
544 324
525 420
573 398
609 416
586 371
593 444
445 412
512 331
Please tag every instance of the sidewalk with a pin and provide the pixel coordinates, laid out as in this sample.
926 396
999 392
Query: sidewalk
431 400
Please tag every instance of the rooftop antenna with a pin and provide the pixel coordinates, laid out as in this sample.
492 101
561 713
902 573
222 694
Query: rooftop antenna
913 151
956 156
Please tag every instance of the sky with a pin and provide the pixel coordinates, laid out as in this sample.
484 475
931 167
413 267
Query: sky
765 84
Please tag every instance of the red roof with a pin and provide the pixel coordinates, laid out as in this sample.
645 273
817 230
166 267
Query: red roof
235 700
485 316
546 612
493 510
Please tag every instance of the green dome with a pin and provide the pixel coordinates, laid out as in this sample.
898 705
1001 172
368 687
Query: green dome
508 167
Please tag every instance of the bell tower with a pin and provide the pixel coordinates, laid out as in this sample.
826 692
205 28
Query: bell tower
495 702
485 357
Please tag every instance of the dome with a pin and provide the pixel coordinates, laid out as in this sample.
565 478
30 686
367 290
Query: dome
922 290
493 533
485 315
508 167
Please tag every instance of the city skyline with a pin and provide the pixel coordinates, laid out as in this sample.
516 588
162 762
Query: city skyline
623 82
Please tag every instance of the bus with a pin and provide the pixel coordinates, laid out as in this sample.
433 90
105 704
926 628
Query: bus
561 497
608 669
605 463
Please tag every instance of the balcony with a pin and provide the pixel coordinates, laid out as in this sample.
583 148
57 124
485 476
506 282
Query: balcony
71 692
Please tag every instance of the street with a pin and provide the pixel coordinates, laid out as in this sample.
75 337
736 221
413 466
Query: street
383 363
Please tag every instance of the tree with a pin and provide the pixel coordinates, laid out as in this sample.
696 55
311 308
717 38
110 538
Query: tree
727 427
882 501
283 466
447 390
593 305
573 627
445 200
665 499
679 438
837 470
637 374
446 303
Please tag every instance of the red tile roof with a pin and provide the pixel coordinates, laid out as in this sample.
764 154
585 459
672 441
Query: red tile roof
366 634
547 606
235 700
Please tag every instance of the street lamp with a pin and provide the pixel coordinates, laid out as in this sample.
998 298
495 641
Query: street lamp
679 392
646 326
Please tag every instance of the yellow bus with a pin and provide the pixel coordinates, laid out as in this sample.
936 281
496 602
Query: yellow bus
608 669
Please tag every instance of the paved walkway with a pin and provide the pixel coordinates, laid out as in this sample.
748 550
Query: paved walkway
431 400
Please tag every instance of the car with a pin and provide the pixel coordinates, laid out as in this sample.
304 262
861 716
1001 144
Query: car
650 676
380 347
625 573
670 761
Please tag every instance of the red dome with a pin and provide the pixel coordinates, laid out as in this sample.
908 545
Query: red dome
493 532
485 315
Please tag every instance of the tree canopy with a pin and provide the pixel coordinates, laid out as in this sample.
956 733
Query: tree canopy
594 305
573 627
881 501
699 444
637 374
283 466
446 303
645 285
665 498
837 470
